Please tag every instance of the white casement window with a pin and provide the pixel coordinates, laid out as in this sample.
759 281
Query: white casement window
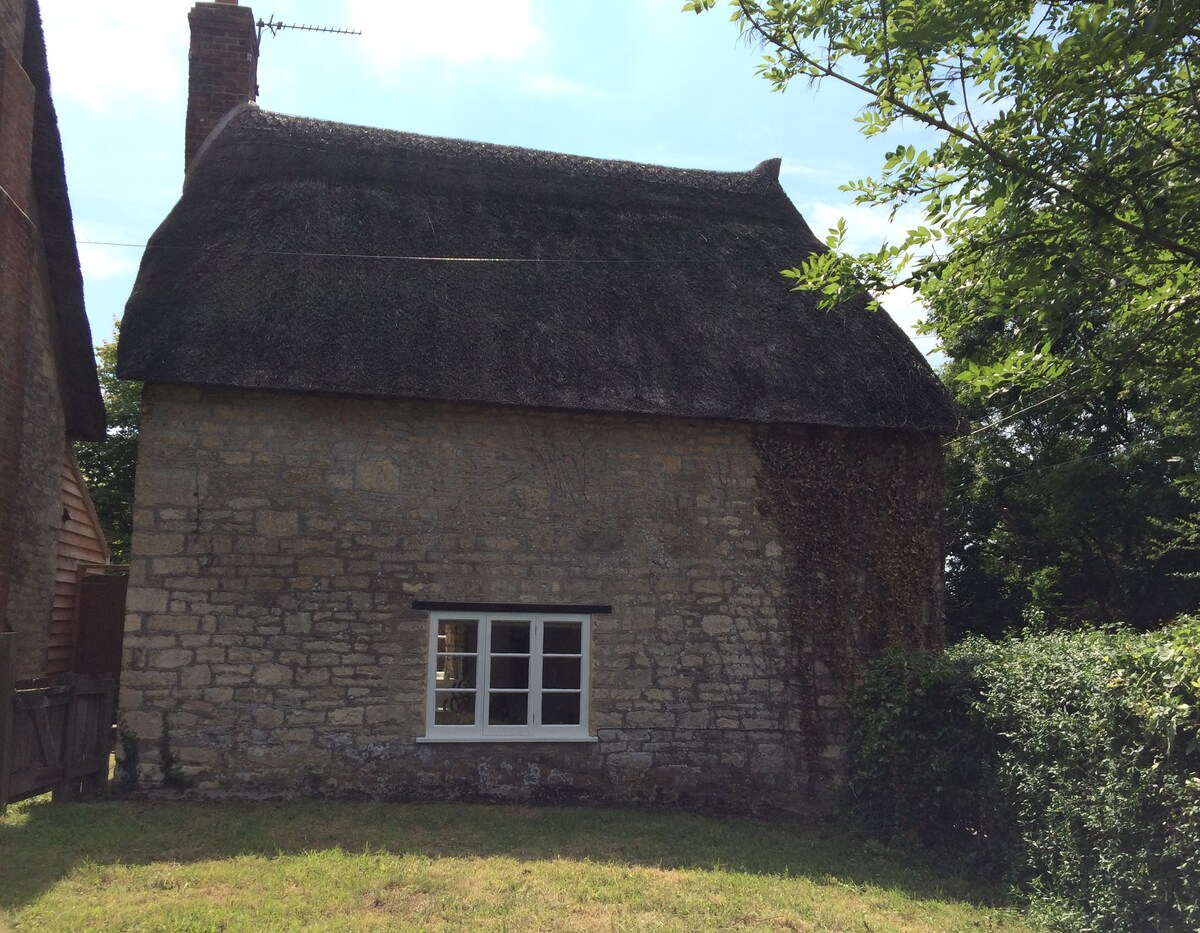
508 676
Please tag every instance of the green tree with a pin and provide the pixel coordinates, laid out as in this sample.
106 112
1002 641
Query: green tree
1062 196
1057 254
1062 514
108 466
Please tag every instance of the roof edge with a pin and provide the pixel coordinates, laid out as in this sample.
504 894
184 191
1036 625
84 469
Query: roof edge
306 142
83 402
946 428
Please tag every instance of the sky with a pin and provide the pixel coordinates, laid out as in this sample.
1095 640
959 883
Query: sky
623 79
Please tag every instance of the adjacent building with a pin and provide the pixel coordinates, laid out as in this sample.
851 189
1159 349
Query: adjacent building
49 392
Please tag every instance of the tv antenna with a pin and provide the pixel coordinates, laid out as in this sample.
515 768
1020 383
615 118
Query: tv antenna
276 27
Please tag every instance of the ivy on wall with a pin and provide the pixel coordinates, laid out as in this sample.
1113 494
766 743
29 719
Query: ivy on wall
860 516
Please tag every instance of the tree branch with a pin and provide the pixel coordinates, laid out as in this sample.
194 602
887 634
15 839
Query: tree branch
1001 158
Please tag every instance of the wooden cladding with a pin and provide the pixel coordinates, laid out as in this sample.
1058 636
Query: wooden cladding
80 544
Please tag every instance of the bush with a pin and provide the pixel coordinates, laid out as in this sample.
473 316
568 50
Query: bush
922 758
1068 761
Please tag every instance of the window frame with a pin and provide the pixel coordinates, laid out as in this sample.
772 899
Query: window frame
533 730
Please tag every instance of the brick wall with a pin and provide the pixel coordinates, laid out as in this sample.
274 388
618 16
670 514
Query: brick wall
280 541
222 68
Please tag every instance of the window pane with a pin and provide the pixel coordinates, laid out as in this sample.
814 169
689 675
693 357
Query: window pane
510 638
508 709
510 673
562 673
456 672
562 638
454 709
560 709
458 636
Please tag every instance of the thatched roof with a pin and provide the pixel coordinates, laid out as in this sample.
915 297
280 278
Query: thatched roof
318 257
82 403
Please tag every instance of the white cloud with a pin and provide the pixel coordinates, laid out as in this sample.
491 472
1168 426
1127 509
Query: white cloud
790 168
107 55
867 227
551 85
906 310
399 33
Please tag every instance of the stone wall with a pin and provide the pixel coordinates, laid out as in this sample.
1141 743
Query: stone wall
36 516
280 541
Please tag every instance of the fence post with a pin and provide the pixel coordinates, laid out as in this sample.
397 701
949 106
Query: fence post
7 666
70 755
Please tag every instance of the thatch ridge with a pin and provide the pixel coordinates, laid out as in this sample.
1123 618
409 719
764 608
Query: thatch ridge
285 144
314 256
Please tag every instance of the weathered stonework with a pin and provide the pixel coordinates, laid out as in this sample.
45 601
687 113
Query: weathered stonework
37 514
280 541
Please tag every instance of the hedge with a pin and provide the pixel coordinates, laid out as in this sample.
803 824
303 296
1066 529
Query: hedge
1066 762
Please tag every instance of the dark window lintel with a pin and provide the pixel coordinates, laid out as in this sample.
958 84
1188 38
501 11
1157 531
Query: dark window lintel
426 605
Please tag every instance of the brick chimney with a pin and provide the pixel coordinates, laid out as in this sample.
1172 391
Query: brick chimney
222 68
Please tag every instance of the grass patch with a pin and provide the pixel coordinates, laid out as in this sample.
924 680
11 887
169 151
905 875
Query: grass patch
338 865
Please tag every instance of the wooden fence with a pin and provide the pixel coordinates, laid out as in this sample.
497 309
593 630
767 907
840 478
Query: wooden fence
56 738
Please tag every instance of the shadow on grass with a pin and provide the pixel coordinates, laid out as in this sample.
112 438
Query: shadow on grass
41 843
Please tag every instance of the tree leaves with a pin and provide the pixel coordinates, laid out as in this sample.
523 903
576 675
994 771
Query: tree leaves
108 466
1065 188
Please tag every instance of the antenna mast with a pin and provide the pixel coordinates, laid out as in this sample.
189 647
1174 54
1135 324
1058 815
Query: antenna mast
275 27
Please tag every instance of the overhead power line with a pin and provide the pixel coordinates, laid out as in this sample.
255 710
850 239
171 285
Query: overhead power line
406 257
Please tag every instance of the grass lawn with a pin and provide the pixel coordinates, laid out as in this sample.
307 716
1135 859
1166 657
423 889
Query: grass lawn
323 865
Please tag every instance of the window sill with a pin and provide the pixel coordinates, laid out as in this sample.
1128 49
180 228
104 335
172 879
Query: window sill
505 739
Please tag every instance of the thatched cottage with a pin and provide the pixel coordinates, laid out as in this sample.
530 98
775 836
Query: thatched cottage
475 470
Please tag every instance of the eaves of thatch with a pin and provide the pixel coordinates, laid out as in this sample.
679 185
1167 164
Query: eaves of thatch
83 405
312 256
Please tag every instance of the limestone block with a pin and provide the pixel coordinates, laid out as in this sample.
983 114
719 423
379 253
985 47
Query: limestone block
176 623
632 762
270 675
169 486
277 523
716 624
320 566
198 675
347 716
145 599
392 713
268 717
376 475
308 677
153 544
170 659
217 695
